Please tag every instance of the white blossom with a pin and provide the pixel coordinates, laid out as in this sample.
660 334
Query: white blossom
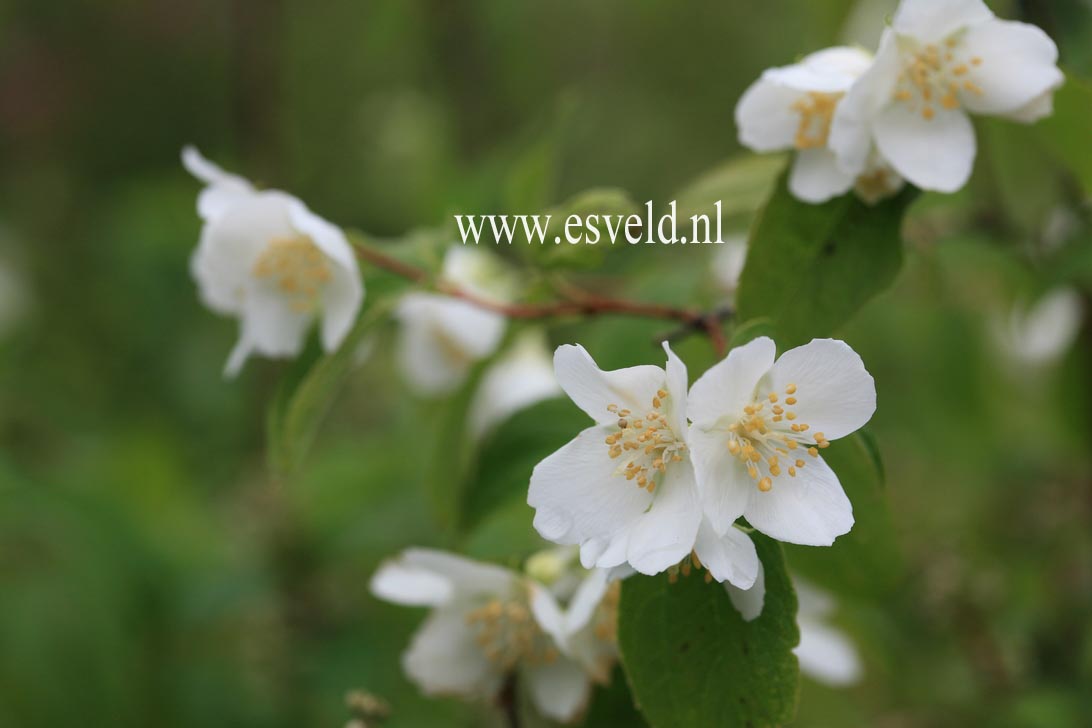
1038 333
728 262
443 337
487 623
521 377
624 490
792 107
939 61
758 427
266 259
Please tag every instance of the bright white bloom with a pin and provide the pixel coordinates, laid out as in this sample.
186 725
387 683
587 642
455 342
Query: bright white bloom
825 653
487 623
268 260
521 377
442 337
792 107
728 262
940 60
624 489
758 427
1038 334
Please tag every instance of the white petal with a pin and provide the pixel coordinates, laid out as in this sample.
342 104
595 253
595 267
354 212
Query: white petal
934 154
834 394
470 577
851 128
443 658
1039 107
665 534
826 655
548 613
1041 333
560 689
723 483
411 585
729 261
730 557
677 382
523 376
749 602
816 176
586 599
577 495
224 189
831 70
1018 65
765 120
729 385
441 339
593 389
932 20
810 509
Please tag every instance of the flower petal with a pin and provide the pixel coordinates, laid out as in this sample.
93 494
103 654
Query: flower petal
523 376
723 483
1018 64
729 385
1039 107
851 128
470 578
932 20
810 509
559 689
578 495
835 394
729 557
765 119
663 535
826 655
224 189
830 70
816 176
677 382
548 613
443 658
411 585
749 602
934 154
593 389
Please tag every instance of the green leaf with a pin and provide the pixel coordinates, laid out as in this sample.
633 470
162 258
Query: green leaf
810 267
503 467
1065 132
307 393
691 660
864 562
740 184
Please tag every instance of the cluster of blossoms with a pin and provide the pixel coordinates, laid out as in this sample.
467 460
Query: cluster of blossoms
664 473
869 122
554 625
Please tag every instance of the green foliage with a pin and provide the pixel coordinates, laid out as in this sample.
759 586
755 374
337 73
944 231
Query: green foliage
741 184
811 267
1065 132
607 203
692 660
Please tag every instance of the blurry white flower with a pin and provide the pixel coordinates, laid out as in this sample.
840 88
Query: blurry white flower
792 107
268 260
826 654
487 623
521 377
940 60
757 430
728 262
623 489
1039 333
443 337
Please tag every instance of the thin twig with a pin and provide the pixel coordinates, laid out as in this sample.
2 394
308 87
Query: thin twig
575 302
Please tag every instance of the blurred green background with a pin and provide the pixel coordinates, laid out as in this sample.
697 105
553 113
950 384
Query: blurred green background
153 572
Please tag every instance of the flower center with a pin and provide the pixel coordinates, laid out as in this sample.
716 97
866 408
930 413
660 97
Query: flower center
936 75
816 111
296 267
765 440
645 444
508 634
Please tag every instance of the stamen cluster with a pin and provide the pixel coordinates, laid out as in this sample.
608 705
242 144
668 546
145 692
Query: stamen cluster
508 634
648 443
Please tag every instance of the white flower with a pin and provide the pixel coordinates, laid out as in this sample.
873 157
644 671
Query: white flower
728 262
825 653
1038 334
486 625
521 377
758 427
268 260
442 337
940 60
792 107
624 489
